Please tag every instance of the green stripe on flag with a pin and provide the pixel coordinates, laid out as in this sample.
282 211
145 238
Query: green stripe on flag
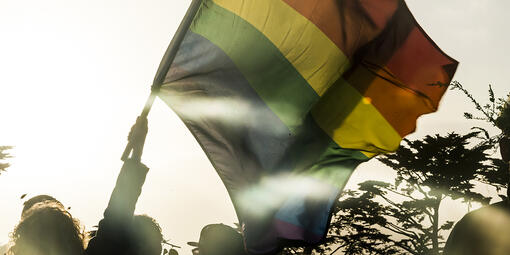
249 49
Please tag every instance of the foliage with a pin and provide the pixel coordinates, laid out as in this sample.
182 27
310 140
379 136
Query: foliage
503 121
403 217
496 112
302 251
445 165
170 251
428 172
3 155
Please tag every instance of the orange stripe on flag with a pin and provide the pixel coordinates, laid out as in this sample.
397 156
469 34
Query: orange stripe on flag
399 105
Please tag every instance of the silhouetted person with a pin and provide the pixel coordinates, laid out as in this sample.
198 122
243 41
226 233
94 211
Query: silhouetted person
145 236
40 199
113 234
219 239
485 231
47 229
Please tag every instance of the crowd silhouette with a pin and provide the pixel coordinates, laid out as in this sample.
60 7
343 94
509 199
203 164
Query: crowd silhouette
46 227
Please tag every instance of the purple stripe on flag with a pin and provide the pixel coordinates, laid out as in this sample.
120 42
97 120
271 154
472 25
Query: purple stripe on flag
293 232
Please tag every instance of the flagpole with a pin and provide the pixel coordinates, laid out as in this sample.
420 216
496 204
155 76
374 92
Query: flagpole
165 64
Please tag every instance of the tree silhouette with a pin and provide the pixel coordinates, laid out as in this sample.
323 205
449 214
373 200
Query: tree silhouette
496 112
407 211
403 217
3 155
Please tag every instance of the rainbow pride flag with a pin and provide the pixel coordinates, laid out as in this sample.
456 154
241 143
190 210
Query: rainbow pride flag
287 97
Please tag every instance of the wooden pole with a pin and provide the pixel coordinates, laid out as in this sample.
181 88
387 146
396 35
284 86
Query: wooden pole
165 64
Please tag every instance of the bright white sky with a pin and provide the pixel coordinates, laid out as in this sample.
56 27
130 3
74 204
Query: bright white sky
75 74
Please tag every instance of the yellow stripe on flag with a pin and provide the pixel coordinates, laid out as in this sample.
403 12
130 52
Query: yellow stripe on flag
353 122
305 46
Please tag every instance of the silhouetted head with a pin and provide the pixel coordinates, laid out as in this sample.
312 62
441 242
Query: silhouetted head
47 229
39 199
219 239
146 236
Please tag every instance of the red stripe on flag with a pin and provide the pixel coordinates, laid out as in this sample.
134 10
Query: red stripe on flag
350 24
420 64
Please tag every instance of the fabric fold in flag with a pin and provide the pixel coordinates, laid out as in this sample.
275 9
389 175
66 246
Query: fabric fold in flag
288 97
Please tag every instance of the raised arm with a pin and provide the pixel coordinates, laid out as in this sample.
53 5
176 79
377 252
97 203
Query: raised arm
112 235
